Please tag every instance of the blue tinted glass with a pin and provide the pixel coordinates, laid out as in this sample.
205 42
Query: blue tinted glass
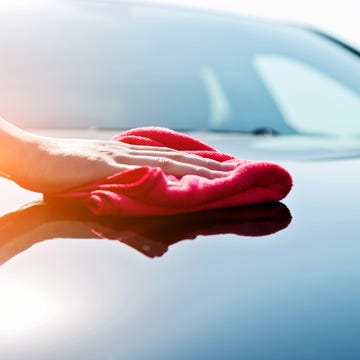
117 66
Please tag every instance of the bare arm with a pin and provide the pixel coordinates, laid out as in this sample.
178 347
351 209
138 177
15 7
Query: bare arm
48 165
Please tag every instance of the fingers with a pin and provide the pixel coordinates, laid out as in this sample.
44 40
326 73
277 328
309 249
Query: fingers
173 167
187 159
181 169
171 161
135 153
148 148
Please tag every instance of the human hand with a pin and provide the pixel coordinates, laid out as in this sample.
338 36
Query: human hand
53 165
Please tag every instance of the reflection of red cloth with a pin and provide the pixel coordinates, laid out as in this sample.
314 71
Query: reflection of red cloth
152 236
148 191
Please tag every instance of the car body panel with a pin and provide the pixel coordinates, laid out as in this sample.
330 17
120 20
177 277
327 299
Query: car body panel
290 294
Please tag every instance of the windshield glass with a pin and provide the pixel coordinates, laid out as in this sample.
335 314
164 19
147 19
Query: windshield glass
109 65
310 100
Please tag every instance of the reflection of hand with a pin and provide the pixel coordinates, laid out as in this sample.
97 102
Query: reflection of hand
150 235
37 222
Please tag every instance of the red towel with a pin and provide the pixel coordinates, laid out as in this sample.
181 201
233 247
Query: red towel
148 190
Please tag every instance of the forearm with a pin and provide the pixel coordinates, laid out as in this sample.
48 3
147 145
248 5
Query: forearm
15 146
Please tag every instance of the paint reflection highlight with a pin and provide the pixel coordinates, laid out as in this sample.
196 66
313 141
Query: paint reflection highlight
24 308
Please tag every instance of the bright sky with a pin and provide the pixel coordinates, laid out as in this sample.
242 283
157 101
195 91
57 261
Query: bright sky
338 17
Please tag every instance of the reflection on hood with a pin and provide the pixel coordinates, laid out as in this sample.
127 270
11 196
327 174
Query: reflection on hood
151 236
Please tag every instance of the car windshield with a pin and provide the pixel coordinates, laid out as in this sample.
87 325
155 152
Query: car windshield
107 65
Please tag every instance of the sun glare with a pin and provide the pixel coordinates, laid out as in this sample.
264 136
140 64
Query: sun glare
24 308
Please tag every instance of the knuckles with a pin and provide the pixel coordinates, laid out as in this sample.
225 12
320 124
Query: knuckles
165 163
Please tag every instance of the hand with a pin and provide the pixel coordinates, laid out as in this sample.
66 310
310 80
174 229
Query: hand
52 165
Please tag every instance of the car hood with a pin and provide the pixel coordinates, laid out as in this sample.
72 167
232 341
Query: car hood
261 282
255 147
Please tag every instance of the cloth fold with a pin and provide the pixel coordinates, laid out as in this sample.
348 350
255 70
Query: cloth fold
148 191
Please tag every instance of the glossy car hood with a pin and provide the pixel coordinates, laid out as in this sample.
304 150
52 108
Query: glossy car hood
277 281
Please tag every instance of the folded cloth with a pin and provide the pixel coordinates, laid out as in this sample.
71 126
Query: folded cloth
147 191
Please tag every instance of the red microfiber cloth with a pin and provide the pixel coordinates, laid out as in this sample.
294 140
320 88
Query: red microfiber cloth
148 191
